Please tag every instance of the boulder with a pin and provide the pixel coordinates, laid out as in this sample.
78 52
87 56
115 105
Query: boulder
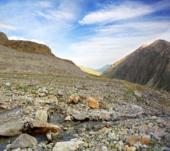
40 127
24 141
74 99
92 115
93 103
11 128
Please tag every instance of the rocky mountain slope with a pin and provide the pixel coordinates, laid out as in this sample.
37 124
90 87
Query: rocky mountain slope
29 57
49 113
147 65
48 104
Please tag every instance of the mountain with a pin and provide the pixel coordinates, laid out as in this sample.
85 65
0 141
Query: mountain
89 70
30 57
24 46
104 68
48 103
147 65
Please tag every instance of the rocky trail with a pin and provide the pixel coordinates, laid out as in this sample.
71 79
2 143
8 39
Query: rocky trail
55 113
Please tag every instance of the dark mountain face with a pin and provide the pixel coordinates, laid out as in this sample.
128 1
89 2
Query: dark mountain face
147 65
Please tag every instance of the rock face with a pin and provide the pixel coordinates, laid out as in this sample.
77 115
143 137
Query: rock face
147 65
3 38
24 46
28 46
30 57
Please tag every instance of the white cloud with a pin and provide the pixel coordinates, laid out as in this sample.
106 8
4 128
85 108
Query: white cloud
22 38
7 26
107 46
44 4
123 11
141 28
57 15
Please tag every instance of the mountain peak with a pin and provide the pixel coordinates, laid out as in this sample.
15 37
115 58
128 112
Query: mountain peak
147 65
160 42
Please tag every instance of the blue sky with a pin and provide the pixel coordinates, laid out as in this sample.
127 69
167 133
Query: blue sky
89 32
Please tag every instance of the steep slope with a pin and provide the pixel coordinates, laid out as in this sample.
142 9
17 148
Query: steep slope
147 65
30 57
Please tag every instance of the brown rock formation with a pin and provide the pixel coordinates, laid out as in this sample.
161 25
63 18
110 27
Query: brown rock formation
24 46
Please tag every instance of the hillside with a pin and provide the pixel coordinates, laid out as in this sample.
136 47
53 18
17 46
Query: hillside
89 70
49 104
104 68
147 65
30 57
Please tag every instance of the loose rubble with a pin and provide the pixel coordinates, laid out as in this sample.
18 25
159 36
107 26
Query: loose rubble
82 115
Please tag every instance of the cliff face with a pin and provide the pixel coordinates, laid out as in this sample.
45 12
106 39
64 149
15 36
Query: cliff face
147 65
24 46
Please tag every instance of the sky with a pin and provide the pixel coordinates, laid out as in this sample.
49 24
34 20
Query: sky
91 33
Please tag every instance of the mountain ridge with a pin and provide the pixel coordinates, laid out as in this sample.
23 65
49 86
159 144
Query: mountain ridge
30 57
146 65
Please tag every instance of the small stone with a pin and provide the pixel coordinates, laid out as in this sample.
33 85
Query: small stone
104 148
42 146
71 145
137 93
132 140
93 103
49 136
8 84
165 149
41 115
127 148
112 136
74 99
120 146
67 118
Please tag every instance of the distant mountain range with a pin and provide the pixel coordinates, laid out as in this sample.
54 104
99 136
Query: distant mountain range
147 65
104 68
30 57
89 70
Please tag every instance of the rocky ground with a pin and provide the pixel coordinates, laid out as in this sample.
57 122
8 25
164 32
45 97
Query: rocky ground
55 113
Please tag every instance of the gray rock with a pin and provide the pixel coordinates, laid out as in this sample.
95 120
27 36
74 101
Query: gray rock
11 128
41 115
71 145
24 141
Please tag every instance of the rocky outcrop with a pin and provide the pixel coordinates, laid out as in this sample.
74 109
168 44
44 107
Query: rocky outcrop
147 65
24 46
3 38
28 46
